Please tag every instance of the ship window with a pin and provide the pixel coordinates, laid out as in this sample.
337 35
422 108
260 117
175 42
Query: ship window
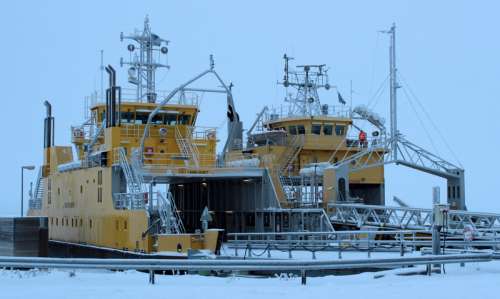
141 118
51 221
292 130
58 191
57 221
170 119
316 129
327 129
301 130
81 189
339 130
117 224
125 225
127 117
157 119
184 119
90 223
99 177
81 222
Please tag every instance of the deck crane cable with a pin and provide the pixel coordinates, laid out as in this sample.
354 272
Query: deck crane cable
441 136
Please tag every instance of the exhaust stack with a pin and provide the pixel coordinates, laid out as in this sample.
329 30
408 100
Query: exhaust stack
112 113
48 130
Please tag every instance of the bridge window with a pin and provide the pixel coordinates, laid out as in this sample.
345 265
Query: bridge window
170 119
316 129
327 129
339 130
141 118
157 119
301 130
292 130
127 117
184 119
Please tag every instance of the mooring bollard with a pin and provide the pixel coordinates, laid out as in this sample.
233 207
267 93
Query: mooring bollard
269 251
314 255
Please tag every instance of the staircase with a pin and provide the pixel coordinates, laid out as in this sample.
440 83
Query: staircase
291 153
186 146
133 178
291 188
36 198
171 221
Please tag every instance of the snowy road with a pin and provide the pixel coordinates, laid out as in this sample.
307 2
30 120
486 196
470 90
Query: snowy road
475 280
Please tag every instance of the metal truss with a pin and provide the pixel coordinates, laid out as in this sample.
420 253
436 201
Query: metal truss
398 150
407 218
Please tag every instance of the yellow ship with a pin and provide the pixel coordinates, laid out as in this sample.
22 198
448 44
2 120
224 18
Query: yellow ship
147 180
99 199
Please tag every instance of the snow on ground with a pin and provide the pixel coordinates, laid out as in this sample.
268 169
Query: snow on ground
475 280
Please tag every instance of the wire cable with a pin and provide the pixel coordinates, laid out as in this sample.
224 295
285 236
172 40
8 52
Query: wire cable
431 121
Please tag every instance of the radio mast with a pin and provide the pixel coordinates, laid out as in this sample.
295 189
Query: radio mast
142 62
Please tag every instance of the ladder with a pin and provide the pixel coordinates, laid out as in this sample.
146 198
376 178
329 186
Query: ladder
171 221
133 178
37 197
186 146
291 152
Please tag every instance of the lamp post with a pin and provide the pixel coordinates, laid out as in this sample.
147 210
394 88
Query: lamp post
29 167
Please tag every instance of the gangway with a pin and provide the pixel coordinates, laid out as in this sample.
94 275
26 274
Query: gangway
406 218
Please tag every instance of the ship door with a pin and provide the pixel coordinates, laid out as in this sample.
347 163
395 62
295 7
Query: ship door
341 187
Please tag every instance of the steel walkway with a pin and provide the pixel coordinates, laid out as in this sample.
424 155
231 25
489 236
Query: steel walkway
406 218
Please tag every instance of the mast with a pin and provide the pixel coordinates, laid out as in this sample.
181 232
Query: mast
393 90
142 62
306 81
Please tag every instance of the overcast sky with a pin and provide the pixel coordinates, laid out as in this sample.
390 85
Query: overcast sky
447 51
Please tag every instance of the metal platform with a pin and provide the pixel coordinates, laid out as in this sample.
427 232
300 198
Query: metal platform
406 218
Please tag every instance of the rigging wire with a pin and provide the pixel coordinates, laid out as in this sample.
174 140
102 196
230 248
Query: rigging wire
374 60
432 122
380 90
412 105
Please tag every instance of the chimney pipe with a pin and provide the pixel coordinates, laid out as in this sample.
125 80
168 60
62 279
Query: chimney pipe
48 134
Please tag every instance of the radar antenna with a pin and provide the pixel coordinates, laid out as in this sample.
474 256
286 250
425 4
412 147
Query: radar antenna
143 63
306 81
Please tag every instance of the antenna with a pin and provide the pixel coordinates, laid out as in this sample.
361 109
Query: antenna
307 80
142 63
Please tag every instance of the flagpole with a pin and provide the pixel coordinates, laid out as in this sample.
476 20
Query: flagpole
350 108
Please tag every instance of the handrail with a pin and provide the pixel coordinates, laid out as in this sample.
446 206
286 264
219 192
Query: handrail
238 265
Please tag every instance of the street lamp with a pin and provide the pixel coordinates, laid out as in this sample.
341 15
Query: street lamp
29 167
